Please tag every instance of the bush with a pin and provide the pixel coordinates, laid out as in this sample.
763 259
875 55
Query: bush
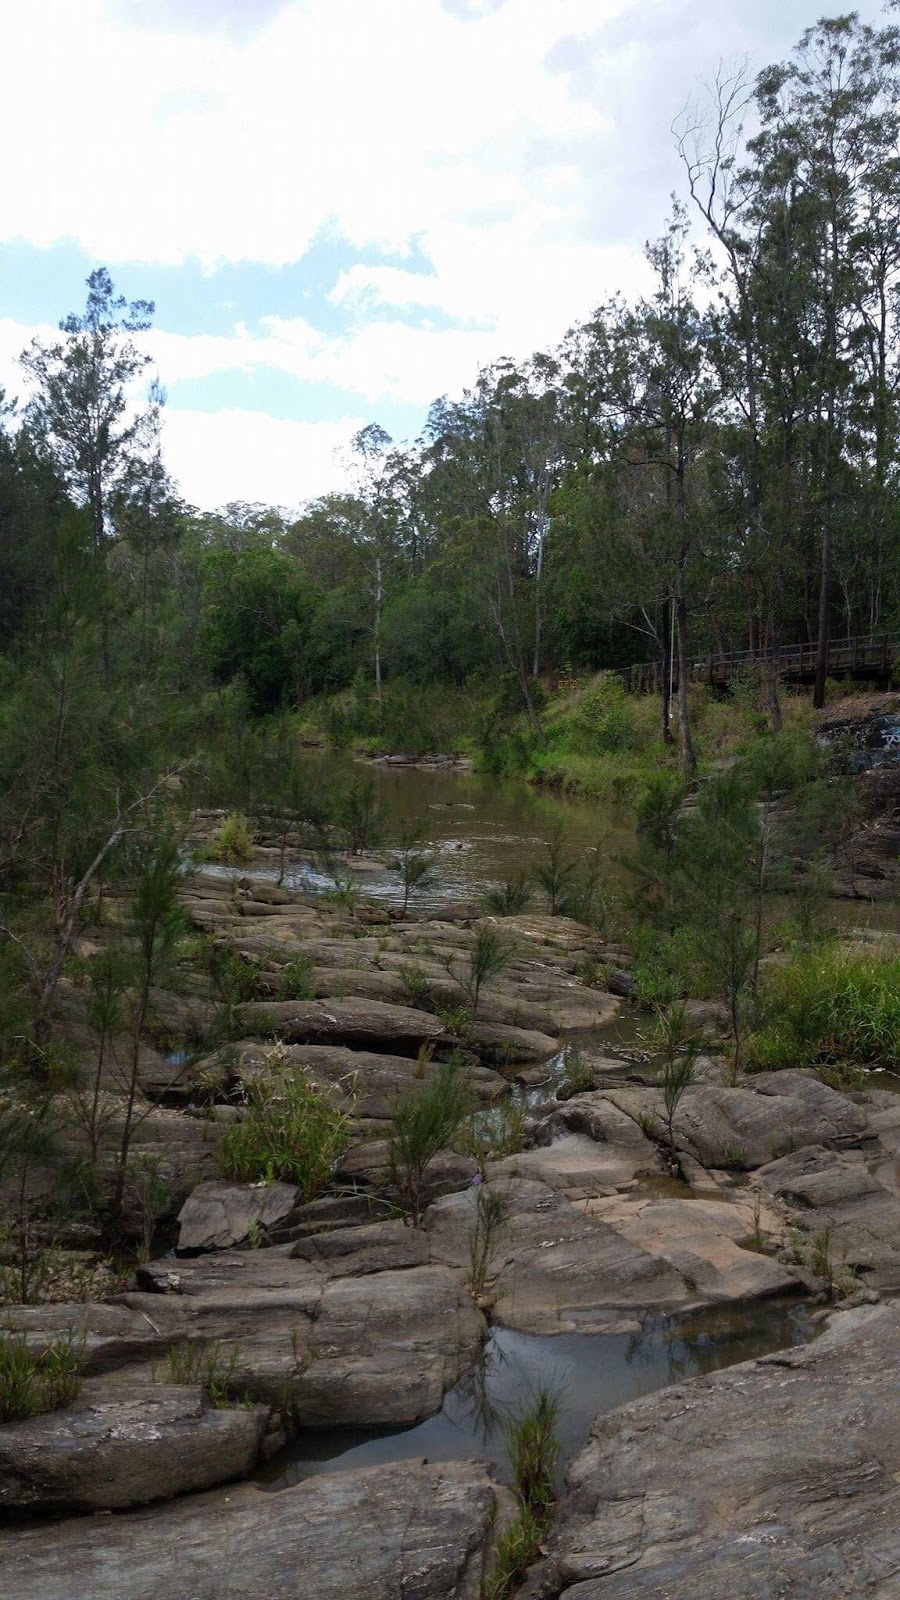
232 842
509 898
425 1122
829 1007
290 1132
33 1382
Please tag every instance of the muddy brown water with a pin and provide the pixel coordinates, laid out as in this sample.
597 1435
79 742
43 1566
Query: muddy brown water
484 830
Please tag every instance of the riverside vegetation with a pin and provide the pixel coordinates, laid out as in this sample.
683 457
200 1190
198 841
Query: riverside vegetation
393 1126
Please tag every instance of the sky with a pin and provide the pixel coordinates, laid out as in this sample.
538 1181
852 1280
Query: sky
342 208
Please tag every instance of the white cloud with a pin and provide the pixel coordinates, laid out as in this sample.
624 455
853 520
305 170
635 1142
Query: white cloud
217 456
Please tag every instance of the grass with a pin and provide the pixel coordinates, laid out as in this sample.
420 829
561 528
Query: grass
294 981
204 1362
534 1452
833 1008
290 1132
500 1130
32 1382
509 898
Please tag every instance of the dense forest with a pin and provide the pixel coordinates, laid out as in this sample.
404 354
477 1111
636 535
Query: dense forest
714 463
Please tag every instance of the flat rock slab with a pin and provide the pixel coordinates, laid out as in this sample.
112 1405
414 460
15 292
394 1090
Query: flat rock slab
707 1241
776 1480
347 1349
554 1269
579 1167
362 1024
834 1194
415 1532
219 1215
367 1085
367 1247
124 1445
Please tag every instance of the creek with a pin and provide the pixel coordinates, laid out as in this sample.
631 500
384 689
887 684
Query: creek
588 1373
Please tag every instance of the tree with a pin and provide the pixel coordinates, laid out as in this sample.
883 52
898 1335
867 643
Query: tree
81 408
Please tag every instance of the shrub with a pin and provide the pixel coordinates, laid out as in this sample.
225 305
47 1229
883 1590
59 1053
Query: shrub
491 1215
829 1007
35 1381
290 1131
233 840
294 981
509 898
425 1122
534 1452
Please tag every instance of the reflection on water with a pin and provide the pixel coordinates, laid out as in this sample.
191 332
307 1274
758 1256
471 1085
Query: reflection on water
590 1373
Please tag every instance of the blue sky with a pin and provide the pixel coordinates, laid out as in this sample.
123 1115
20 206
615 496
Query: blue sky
341 207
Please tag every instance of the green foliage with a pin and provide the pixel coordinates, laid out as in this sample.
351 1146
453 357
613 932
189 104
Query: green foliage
680 1045
497 1131
489 955
491 1216
534 1452
510 898
290 1131
829 1007
232 841
35 1380
294 981
257 615
426 1121
359 816
207 1363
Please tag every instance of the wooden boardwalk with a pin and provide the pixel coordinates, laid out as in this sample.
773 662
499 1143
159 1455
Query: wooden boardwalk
868 658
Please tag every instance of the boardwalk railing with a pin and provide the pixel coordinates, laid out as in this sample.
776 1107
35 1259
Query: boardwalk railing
867 656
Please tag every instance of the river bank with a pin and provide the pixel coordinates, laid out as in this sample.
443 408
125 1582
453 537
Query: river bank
335 1315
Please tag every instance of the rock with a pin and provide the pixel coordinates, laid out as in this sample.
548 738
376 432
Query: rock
707 1241
835 1196
499 1041
621 983
556 1270
746 1128
415 1532
371 1247
109 1336
367 1085
621 1150
123 1445
578 1166
371 1349
367 1163
777 1478
219 1215
363 1024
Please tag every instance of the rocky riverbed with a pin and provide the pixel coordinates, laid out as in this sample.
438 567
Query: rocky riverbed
337 1314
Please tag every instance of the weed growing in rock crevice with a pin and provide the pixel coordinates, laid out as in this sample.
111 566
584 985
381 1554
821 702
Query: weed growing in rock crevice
31 1381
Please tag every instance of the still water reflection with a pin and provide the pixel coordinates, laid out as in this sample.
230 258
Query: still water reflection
590 1374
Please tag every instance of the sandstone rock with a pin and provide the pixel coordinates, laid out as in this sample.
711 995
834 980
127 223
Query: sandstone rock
364 1024
555 1269
219 1215
746 1128
416 1532
776 1478
370 1349
121 1446
834 1195
705 1240
370 1247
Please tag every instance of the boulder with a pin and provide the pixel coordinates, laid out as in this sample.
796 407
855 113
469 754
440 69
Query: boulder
363 1024
121 1445
779 1477
416 1532
219 1215
835 1196
369 1247
745 1128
